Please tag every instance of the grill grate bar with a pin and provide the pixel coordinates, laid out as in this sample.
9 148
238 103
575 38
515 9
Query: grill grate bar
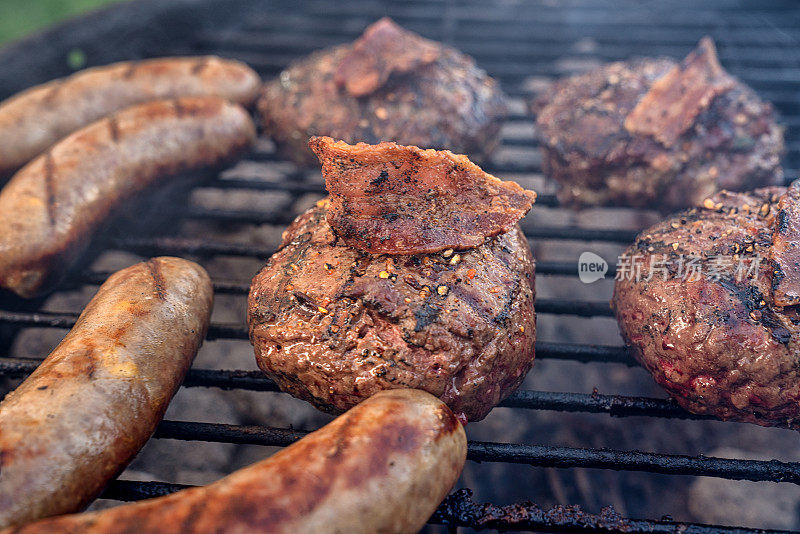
670 464
356 17
293 187
190 246
234 331
222 433
540 30
549 40
540 232
769 81
538 49
236 287
782 93
585 353
514 78
67 320
134 490
581 308
198 246
534 455
220 378
613 405
544 350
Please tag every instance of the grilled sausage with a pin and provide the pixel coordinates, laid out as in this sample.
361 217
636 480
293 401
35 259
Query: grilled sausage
35 119
51 208
382 467
85 412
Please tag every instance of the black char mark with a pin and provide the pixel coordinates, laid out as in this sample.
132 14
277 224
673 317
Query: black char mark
752 298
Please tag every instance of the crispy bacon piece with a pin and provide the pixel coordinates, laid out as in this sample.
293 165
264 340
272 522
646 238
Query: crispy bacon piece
393 199
384 48
677 98
785 251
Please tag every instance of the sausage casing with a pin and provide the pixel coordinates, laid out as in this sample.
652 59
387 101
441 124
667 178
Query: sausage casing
35 119
382 467
51 208
85 412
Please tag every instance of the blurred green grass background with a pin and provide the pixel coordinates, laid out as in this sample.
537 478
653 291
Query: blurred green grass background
21 17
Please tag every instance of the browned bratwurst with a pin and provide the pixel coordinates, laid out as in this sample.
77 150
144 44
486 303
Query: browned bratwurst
332 323
717 323
35 119
85 412
51 208
381 468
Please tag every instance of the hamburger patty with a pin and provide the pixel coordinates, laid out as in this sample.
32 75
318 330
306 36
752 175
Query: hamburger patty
333 325
724 340
389 85
656 133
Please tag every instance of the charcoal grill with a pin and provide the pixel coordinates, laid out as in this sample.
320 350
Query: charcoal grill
521 43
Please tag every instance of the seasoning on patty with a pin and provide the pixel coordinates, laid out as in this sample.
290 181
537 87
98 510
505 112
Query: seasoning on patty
333 323
710 309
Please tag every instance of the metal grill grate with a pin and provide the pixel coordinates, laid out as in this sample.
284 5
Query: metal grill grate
514 42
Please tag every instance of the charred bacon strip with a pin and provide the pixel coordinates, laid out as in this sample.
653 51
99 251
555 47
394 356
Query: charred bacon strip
393 199
674 101
785 250
384 48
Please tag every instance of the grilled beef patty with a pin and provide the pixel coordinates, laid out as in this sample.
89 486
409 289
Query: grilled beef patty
332 324
723 341
390 85
656 133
